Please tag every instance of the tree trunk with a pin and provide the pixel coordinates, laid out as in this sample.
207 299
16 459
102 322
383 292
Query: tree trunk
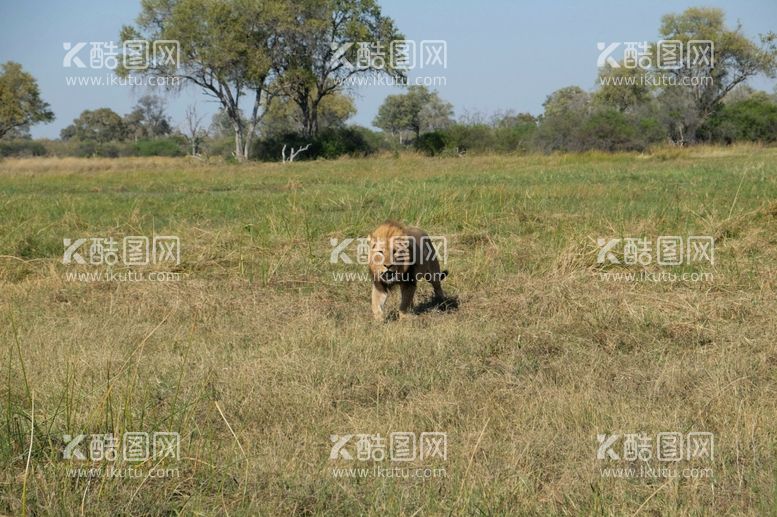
314 118
305 109
239 153
254 122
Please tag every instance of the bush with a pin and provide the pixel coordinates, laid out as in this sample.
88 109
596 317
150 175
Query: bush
516 138
430 143
608 130
23 147
342 141
170 146
329 144
221 146
753 119
476 137
107 150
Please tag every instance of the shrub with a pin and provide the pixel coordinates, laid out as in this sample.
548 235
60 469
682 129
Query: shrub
608 130
329 144
753 119
170 146
23 147
476 137
430 143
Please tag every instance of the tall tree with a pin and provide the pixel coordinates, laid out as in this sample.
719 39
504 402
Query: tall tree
193 129
566 111
285 116
100 125
393 116
624 88
226 48
735 59
148 118
20 101
320 53
436 114
418 110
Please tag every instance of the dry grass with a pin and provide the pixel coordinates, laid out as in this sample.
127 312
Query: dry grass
260 340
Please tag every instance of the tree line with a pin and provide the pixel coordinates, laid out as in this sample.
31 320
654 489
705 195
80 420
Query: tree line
274 68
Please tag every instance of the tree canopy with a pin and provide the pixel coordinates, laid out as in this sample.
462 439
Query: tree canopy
255 50
20 101
419 110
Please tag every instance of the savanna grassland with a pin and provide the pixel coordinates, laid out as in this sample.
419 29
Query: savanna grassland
261 351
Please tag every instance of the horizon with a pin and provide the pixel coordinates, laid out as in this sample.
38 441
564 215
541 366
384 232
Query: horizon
482 62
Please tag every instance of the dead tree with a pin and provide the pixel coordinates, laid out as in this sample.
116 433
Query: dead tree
293 154
193 130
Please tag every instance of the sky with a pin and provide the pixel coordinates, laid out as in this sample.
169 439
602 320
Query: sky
501 55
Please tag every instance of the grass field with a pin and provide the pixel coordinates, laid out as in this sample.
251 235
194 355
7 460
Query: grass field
260 351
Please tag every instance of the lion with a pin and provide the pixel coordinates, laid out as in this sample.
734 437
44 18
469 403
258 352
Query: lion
401 255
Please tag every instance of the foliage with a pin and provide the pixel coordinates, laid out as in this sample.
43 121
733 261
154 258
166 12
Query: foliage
417 111
430 144
170 146
329 143
21 147
318 52
20 101
250 51
736 58
148 118
285 116
751 119
101 125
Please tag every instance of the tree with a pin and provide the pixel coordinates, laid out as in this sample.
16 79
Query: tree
20 101
148 118
335 109
436 114
221 124
228 49
566 110
623 88
284 116
256 49
193 130
19 133
741 92
750 119
319 53
679 113
514 132
418 110
736 58
393 116
100 125
421 103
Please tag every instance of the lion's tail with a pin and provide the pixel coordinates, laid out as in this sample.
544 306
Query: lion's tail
444 275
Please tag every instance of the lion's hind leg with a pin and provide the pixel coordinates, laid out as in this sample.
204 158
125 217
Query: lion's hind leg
408 293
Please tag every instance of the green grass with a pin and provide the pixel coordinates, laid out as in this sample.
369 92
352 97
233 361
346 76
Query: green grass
259 336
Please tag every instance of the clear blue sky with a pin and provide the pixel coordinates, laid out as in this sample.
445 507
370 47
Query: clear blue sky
501 54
